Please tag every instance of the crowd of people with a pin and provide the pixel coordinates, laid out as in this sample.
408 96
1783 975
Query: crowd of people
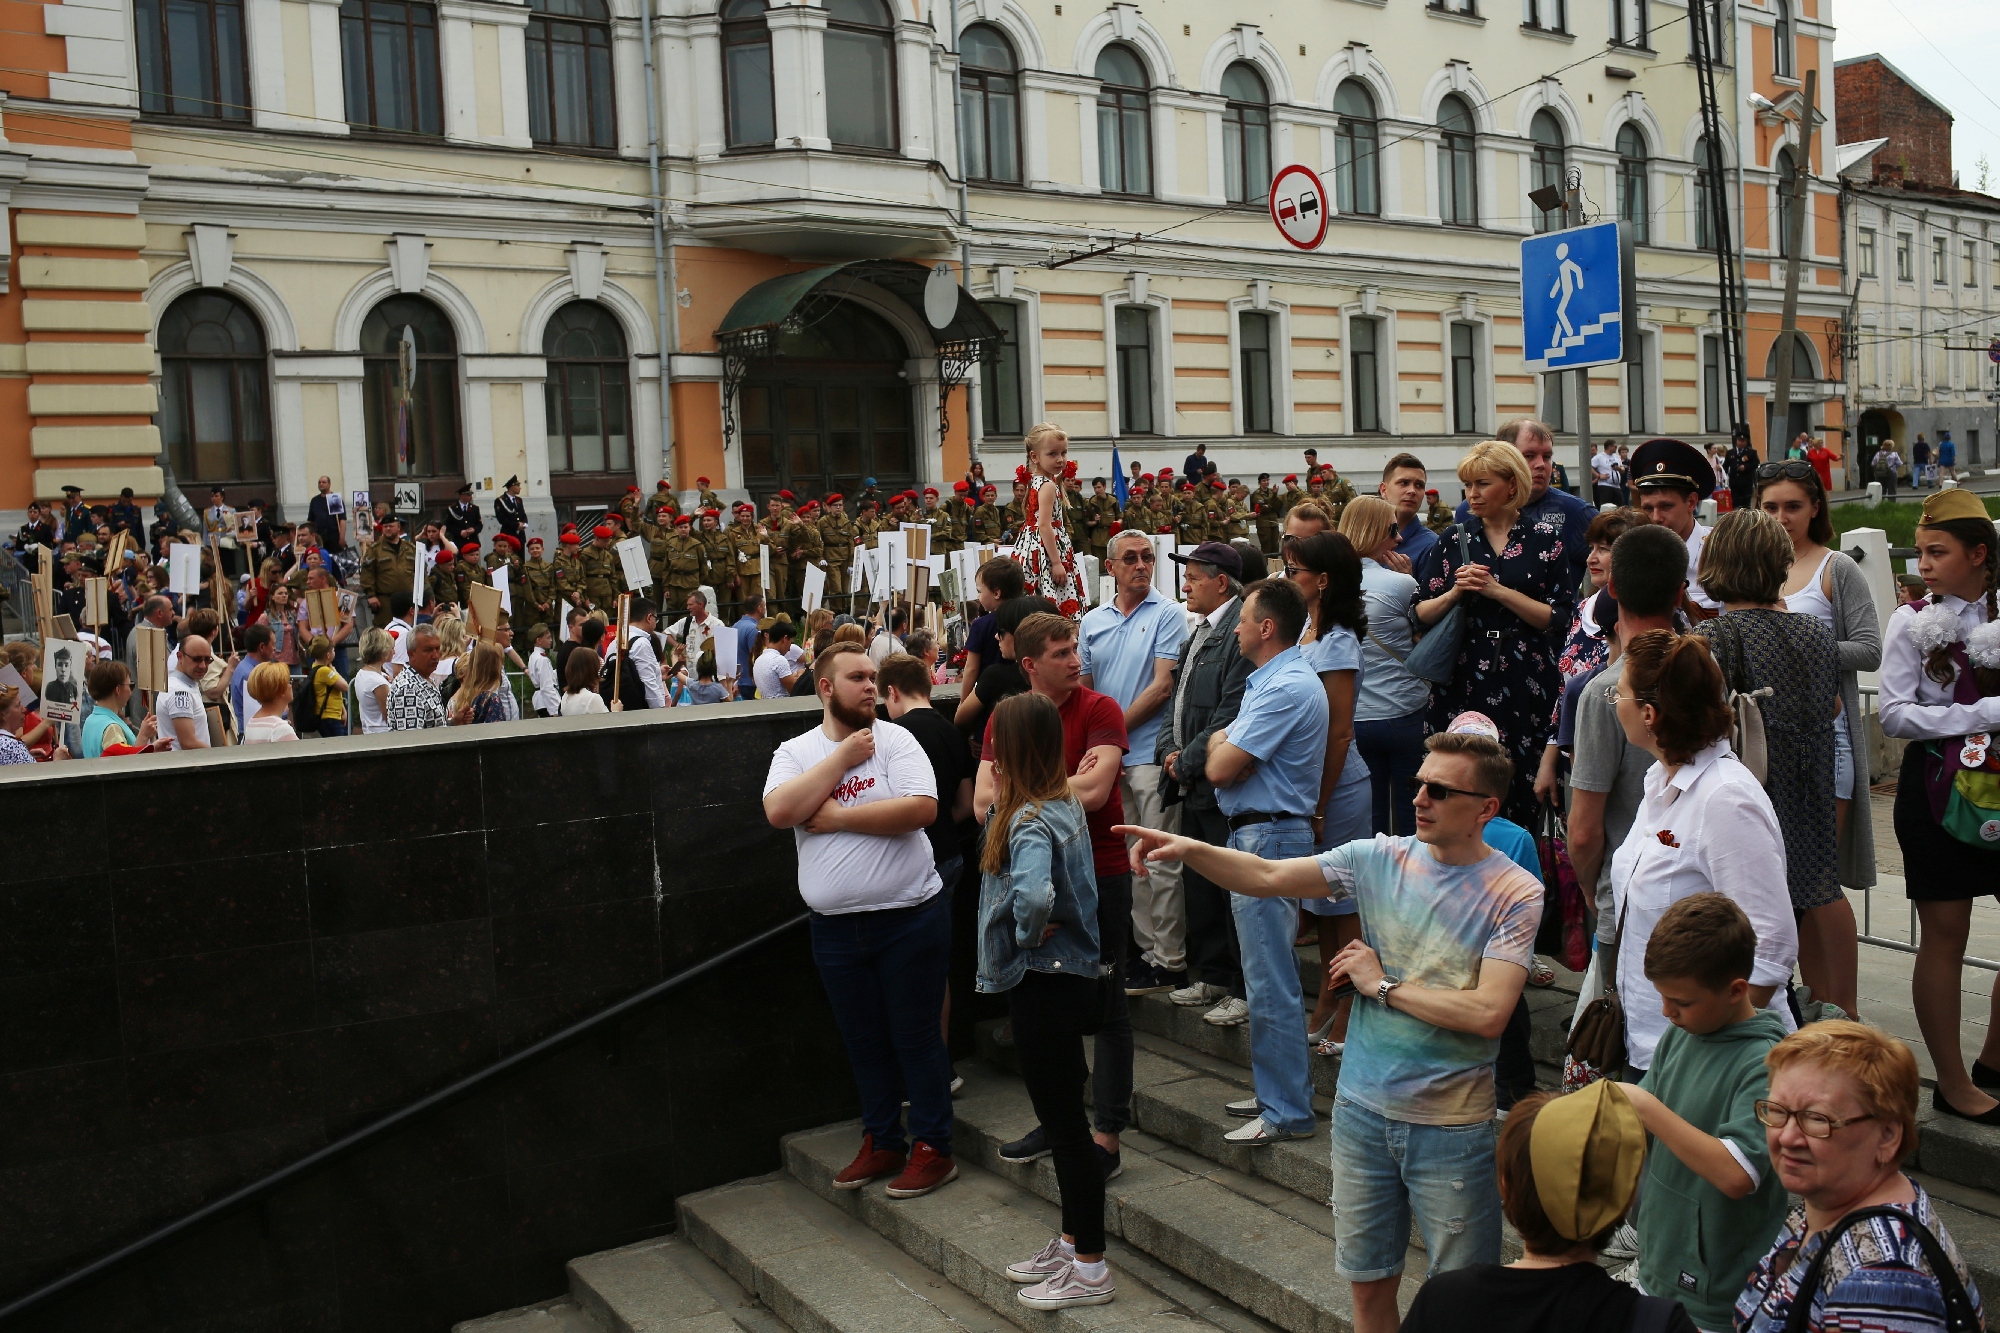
1400 745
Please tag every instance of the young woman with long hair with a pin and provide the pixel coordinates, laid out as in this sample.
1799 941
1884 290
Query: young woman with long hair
1039 945
480 684
1940 676
1328 572
1389 702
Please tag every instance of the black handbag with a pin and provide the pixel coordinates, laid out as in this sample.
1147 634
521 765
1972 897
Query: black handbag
1959 1315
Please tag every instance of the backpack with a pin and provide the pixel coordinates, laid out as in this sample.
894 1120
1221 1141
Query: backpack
305 707
630 690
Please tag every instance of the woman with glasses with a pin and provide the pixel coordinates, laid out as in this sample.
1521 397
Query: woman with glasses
1704 825
1829 586
1840 1118
1389 702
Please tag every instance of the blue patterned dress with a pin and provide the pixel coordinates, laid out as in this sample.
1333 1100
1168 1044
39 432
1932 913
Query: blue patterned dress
1505 669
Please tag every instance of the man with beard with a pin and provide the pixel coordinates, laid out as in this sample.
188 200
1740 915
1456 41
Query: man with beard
859 795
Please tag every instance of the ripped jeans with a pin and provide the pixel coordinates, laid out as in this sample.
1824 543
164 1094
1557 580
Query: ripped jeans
1384 1170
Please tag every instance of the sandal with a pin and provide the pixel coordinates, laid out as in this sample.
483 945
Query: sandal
1323 1044
1541 972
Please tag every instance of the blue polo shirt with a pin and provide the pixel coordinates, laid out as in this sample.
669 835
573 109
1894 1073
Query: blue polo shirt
1576 522
746 635
1416 541
1282 724
1118 652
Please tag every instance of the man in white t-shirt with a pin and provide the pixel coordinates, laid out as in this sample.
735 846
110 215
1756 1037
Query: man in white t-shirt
183 715
775 670
859 796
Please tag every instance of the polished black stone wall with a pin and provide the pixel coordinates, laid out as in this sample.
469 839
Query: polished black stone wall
212 964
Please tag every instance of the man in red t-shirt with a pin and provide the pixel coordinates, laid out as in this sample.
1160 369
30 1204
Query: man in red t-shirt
1094 745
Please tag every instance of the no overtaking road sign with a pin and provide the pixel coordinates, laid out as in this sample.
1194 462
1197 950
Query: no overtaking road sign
1298 206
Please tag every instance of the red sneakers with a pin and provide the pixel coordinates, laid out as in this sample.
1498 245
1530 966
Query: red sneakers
926 1171
871 1163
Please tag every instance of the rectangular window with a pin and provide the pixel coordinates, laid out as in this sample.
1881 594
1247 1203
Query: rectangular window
1971 256
1364 389
1135 370
1555 401
1464 380
1904 262
1630 24
1548 15
1254 343
1939 262
1712 417
1638 410
1000 377
1865 252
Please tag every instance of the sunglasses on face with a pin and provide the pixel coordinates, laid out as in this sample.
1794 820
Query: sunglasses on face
1437 791
1137 558
1792 469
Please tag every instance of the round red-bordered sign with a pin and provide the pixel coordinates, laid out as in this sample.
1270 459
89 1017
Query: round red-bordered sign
1298 206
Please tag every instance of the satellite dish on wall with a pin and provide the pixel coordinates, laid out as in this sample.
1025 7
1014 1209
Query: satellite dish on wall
940 296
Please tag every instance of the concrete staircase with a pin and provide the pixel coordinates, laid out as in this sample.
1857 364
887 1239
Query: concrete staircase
1205 1236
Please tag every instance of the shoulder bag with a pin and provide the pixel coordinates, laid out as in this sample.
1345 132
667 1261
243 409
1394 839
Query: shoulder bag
1959 1314
1563 934
1596 1046
1746 731
1436 654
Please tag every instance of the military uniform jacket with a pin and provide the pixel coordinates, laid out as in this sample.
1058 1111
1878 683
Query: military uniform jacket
743 542
569 574
803 543
538 585
1013 516
603 575
388 568
718 559
683 566
987 523
836 536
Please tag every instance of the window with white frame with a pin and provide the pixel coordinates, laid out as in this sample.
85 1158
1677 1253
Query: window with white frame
1781 39
1635 200
1458 169
746 75
860 54
1638 407
1000 383
989 100
1970 255
1364 374
1631 24
1256 330
1864 252
1547 15
1357 183
1714 403
1555 401
1940 262
1124 123
1246 135
1135 333
1547 133
1788 173
1464 378
1905 265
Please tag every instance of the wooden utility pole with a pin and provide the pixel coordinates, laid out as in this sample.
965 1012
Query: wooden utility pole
1777 437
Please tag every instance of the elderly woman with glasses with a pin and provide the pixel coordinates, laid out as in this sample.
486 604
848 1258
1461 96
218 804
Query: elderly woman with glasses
1864 1247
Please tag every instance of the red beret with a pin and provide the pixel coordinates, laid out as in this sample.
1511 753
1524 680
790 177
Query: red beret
683 520
989 489
1166 472
930 490
508 538
834 497
569 538
1145 476
447 552
711 513
960 488
742 505
808 505
1433 491
467 550
1187 486
870 504
631 490
534 541
569 527
659 485
603 531
1291 477
786 496
699 481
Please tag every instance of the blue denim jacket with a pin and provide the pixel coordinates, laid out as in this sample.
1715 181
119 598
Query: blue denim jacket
1048 879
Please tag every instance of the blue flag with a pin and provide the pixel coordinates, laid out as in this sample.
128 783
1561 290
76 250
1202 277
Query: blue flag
1118 486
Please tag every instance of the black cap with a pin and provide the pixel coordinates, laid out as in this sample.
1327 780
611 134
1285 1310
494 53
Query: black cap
72 490
1671 465
465 489
511 481
1217 555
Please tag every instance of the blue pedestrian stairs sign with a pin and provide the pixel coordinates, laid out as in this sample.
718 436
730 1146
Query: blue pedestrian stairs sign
1577 292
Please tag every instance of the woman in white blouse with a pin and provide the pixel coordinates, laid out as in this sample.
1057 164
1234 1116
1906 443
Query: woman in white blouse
1705 826
1939 679
371 683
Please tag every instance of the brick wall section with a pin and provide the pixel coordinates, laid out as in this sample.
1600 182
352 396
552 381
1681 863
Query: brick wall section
1877 103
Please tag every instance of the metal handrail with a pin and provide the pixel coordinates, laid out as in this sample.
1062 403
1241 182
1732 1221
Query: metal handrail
321 1156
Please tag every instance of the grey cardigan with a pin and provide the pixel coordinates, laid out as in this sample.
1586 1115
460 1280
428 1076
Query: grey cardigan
1857 633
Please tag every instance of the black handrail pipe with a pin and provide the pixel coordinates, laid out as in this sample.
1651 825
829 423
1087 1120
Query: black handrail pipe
97 1268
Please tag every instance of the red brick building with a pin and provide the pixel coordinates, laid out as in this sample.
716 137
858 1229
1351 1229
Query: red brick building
1879 101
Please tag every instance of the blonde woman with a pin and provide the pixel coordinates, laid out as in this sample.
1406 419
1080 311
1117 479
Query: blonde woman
270 686
371 683
480 687
451 646
1518 599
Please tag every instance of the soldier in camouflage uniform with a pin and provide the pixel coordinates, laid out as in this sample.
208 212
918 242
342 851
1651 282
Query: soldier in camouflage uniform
743 539
1338 492
948 528
684 564
837 536
803 545
506 551
1135 514
470 571
535 594
987 520
603 572
1015 513
1100 511
1234 510
569 566
1073 515
662 500
1264 512
705 498
771 532
1436 517
388 567
960 509
442 586
1291 496
714 550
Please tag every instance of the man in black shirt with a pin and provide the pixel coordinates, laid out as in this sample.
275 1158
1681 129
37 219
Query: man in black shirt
1740 463
906 692
509 512
327 515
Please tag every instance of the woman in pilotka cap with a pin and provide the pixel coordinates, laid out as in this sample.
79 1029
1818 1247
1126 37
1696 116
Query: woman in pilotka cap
1569 1172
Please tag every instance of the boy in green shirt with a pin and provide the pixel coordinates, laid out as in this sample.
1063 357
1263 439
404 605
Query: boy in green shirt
1711 1204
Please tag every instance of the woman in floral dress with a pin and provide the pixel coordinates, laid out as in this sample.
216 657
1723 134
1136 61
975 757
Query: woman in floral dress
1048 563
1518 608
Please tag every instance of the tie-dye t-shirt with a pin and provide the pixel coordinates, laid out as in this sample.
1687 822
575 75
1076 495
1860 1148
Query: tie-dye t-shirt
1430 924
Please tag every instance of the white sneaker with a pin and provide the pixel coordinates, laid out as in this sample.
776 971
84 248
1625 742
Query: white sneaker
1066 1288
1624 1243
1047 1264
1231 1013
1246 1108
1195 993
1258 1133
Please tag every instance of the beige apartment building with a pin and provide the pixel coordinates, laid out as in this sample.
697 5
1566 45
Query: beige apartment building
224 232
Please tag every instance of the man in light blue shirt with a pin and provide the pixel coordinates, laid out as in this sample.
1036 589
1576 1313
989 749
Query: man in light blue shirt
745 630
1266 771
257 650
1128 648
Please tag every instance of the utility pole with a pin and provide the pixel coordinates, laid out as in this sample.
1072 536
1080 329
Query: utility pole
1573 217
1781 407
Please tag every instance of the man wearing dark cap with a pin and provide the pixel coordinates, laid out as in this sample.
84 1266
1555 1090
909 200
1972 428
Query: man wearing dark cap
1209 678
461 519
1672 478
509 512
1741 465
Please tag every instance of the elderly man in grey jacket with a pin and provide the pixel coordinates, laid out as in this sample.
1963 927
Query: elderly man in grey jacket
1208 689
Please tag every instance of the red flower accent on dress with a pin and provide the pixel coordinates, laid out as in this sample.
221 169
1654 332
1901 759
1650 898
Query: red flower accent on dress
1069 470
1021 474
1069 607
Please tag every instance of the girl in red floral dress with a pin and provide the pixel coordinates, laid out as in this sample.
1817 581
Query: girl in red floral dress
1043 549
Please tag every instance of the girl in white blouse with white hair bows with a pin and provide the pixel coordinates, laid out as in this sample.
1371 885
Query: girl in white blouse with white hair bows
1705 826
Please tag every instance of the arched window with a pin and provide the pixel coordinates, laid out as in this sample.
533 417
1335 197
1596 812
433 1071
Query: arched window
1458 170
746 74
1246 135
1547 133
569 74
1635 205
588 393
1707 182
1781 39
990 101
214 405
1802 360
191 58
413 435
1124 123
1356 182
1788 176
861 71
389 57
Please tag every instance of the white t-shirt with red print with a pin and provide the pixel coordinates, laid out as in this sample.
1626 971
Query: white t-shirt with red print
863 872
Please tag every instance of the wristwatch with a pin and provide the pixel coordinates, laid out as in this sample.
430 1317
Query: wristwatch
1382 989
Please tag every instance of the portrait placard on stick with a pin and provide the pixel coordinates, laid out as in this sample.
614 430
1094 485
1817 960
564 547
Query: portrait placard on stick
323 609
149 658
485 610
502 577
184 569
64 662
916 541
812 590
632 555
62 627
724 645
96 601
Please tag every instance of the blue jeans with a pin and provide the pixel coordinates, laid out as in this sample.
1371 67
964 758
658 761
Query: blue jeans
884 974
1383 1170
1265 929
1394 749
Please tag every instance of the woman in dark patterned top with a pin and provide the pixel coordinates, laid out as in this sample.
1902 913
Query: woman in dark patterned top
1759 645
1840 1117
1518 605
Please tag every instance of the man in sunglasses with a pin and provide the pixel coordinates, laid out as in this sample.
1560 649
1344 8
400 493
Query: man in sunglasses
183 715
1448 931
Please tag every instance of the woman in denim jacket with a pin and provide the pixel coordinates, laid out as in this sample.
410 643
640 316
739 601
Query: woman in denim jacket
1038 942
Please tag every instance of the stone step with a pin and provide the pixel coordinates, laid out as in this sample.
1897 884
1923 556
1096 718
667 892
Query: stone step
1972 1216
656 1286
970 1230
818 1268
